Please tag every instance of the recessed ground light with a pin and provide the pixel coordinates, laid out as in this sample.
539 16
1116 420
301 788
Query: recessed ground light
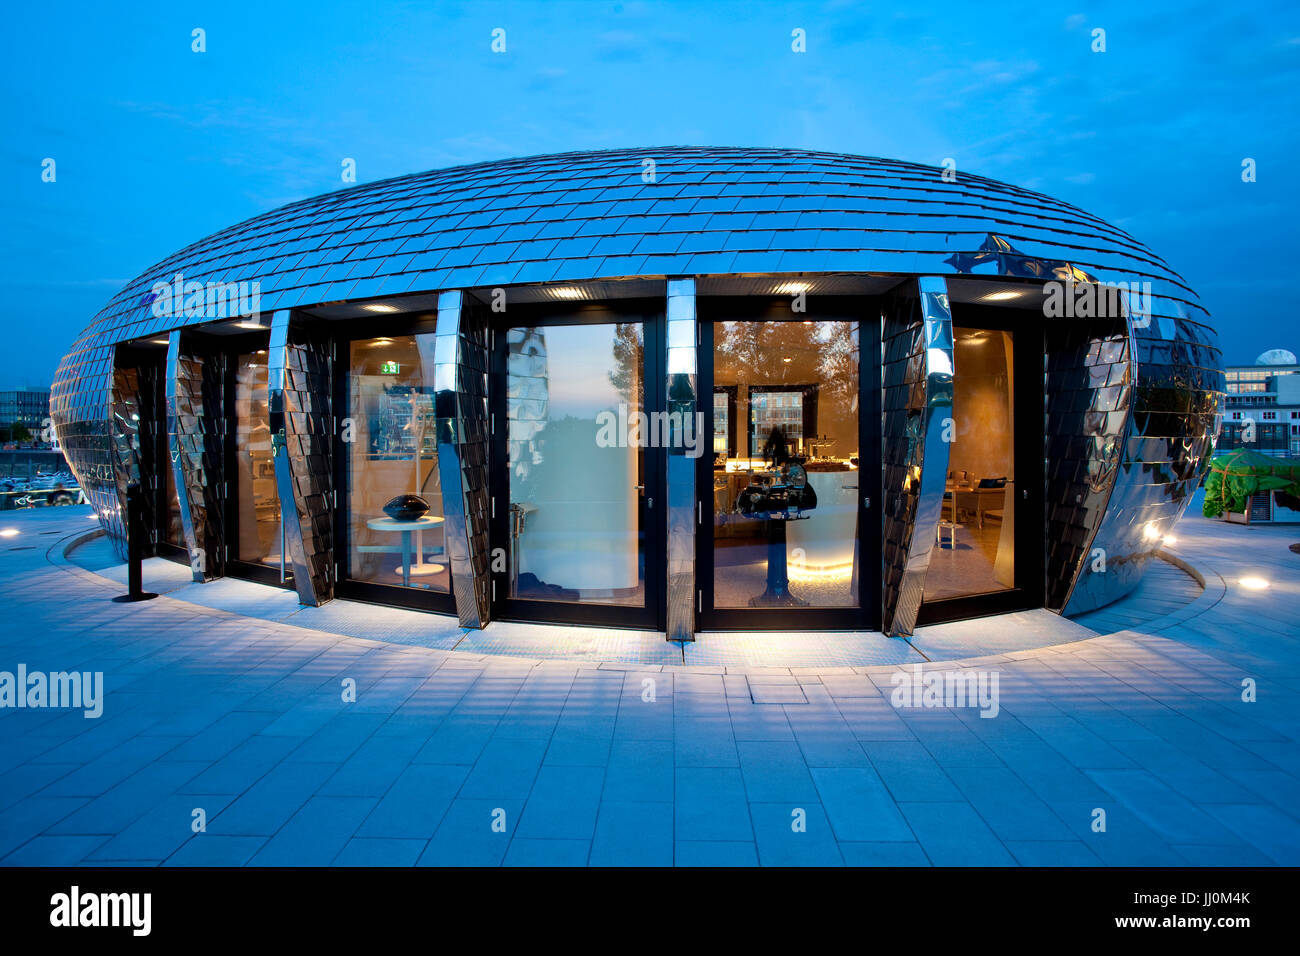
377 307
8 532
1253 583
1000 296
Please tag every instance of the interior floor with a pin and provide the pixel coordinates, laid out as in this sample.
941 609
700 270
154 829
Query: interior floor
964 566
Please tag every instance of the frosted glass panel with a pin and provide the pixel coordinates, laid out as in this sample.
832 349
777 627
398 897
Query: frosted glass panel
574 393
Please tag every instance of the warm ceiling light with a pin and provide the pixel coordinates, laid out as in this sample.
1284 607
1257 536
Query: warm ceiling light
1253 583
251 324
160 341
787 359
1001 296
793 288
378 307
567 292
8 532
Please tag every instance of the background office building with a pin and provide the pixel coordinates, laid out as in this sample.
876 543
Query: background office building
1262 410
27 406
475 391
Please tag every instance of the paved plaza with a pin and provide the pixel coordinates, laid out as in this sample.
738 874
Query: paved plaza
1162 731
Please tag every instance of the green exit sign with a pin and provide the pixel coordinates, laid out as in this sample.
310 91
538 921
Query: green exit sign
390 368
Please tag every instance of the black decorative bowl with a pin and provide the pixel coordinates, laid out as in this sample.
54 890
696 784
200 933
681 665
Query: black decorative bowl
406 508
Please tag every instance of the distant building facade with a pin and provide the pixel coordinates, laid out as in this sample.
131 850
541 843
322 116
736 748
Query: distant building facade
27 406
1262 410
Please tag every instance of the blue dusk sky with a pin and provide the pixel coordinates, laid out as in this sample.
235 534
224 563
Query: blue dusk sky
157 146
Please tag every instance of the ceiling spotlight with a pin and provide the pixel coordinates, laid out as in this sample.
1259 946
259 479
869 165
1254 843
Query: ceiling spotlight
567 292
378 307
787 360
1001 296
1253 583
160 342
251 324
793 288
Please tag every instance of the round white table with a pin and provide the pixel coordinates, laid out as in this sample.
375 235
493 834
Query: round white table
406 527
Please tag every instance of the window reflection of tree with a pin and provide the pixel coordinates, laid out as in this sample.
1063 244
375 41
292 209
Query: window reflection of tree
748 353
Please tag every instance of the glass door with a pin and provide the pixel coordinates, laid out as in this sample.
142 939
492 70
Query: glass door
391 531
987 556
786 535
254 531
578 505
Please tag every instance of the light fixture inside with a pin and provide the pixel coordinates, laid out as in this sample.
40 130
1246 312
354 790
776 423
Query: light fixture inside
379 307
793 288
1001 296
567 292
251 324
1170 540
1252 583
8 532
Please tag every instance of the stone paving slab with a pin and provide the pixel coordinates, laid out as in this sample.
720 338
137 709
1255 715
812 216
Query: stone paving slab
470 757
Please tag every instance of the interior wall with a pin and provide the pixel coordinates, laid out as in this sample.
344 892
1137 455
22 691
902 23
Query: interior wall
981 405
